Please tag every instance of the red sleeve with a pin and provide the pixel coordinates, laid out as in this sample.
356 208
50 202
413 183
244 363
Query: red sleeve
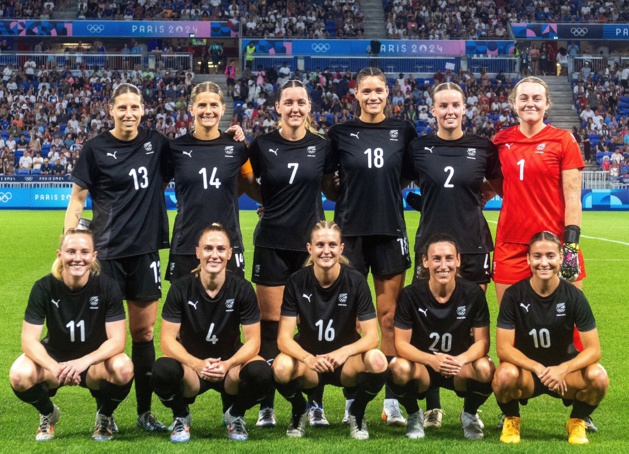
572 158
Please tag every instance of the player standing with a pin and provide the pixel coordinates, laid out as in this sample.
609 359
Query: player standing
85 340
122 170
534 342
451 167
442 339
372 153
328 297
207 166
201 322
291 163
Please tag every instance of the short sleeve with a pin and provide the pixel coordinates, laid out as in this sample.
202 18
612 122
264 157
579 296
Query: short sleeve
584 319
402 319
254 152
506 316
493 169
172 307
82 173
249 308
115 307
481 312
572 158
289 301
364 303
36 310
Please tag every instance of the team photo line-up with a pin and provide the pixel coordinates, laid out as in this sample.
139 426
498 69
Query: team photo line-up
218 332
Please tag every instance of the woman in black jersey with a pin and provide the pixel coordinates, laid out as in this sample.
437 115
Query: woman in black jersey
208 167
450 168
201 323
122 170
85 340
291 163
442 339
328 297
535 344
373 156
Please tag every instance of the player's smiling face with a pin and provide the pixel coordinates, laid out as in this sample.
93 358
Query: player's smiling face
213 252
325 248
207 110
448 108
372 97
545 260
442 260
127 111
76 256
531 102
294 107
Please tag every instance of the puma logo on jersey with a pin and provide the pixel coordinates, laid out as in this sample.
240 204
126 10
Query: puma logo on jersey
525 307
56 303
188 153
424 311
354 134
508 145
429 148
113 155
307 296
193 304
271 150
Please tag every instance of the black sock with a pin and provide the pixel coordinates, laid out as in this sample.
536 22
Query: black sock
38 397
293 392
315 395
581 410
143 357
510 409
433 399
255 380
111 396
368 385
349 392
388 393
268 339
167 381
406 395
227 400
97 396
476 395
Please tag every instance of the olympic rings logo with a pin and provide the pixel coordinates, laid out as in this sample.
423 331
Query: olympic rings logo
95 28
578 31
5 197
320 47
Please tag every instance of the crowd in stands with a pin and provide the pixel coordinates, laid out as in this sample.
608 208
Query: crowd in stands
26 9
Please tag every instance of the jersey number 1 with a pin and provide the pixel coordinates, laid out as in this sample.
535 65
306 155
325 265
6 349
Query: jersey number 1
80 326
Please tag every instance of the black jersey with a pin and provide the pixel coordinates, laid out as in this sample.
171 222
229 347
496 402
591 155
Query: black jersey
544 326
75 320
451 174
290 174
372 158
327 316
126 181
210 327
206 184
446 327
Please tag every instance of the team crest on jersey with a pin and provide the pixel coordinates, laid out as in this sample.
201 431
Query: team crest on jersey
229 149
342 297
148 146
229 304
540 148
393 134
256 269
460 312
93 302
312 150
561 309
471 153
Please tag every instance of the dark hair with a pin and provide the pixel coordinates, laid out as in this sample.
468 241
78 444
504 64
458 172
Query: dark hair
436 238
126 88
370 71
297 84
213 227
546 236
447 86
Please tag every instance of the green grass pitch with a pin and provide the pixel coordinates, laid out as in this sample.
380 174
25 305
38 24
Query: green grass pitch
29 239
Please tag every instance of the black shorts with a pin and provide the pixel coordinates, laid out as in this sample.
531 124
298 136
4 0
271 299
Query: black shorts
539 389
230 82
331 378
383 255
138 276
182 265
272 267
474 267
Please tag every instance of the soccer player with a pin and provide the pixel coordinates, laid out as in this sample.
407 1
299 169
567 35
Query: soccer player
442 339
541 166
207 166
291 163
450 168
372 152
122 170
201 322
328 297
534 342
85 340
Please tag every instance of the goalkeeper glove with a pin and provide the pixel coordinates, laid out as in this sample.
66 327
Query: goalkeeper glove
570 267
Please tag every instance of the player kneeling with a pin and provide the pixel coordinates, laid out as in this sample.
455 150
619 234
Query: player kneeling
534 342
433 322
328 297
201 323
85 320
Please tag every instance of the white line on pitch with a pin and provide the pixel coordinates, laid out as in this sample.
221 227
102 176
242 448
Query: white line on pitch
589 237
